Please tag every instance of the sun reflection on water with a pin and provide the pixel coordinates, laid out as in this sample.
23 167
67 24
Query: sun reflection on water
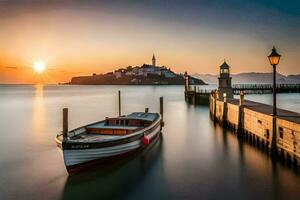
38 110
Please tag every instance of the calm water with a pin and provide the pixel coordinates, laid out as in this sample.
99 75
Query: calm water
194 160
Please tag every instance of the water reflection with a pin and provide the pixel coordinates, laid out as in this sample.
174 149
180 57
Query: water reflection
195 160
241 152
257 170
38 109
225 142
115 179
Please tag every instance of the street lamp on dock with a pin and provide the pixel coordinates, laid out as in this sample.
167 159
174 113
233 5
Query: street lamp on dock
274 59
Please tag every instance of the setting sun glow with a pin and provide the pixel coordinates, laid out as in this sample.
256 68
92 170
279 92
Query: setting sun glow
39 67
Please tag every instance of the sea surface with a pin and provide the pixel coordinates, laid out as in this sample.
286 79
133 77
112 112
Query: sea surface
193 160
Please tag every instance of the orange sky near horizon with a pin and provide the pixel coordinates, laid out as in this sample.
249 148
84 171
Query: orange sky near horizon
84 40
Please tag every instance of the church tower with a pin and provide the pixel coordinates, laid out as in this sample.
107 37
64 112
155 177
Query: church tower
225 88
153 61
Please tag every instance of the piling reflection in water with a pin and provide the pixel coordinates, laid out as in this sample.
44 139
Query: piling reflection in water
254 162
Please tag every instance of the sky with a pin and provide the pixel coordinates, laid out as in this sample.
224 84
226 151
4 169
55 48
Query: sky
81 37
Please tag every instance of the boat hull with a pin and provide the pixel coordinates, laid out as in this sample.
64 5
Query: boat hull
85 153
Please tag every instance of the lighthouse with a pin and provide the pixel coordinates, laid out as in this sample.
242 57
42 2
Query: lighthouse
225 88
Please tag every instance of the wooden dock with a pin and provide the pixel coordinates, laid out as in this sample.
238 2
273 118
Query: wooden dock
252 122
197 96
265 88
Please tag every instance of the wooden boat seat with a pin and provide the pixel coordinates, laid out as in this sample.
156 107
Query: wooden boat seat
117 126
111 130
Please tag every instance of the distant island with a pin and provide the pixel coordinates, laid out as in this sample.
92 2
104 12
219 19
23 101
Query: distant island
251 78
138 75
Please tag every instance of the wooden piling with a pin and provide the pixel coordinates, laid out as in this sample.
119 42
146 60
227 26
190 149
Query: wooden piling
281 156
161 107
186 82
263 145
65 122
224 117
215 107
119 97
288 160
240 128
146 110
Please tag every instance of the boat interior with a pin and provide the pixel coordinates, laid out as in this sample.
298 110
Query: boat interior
117 126
113 127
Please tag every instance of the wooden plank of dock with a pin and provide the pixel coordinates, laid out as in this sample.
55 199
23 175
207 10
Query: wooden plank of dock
268 110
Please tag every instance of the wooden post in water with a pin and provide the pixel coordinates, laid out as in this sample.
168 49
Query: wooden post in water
161 107
186 86
65 122
119 97
215 107
186 82
225 109
195 96
241 122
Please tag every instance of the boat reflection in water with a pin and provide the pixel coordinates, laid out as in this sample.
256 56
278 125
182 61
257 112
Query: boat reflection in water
113 179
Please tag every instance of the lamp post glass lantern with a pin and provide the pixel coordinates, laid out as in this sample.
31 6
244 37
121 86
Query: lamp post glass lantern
274 59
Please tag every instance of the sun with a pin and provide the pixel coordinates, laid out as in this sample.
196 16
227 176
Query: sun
39 67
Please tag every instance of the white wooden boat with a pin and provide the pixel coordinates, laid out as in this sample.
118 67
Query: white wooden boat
109 138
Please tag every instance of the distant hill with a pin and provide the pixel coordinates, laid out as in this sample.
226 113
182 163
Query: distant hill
139 75
294 77
251 78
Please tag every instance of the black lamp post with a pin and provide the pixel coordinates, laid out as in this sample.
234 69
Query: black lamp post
274 58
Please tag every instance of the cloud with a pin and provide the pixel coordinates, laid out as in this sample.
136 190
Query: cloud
13 67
